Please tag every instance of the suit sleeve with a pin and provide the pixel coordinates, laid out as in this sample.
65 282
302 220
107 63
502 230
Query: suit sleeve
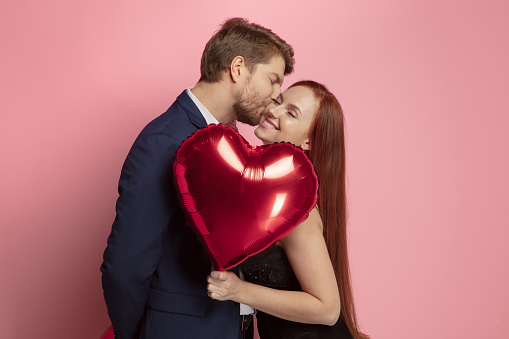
144 208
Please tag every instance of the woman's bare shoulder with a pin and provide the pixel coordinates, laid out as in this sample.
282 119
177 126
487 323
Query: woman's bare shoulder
312 225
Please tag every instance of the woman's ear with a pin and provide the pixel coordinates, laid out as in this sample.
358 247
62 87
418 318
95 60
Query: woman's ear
305 145
237 68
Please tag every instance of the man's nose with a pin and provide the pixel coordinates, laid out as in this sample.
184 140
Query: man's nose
276 92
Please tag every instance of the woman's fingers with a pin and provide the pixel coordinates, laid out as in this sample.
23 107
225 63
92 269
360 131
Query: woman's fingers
219 275
215 292
214 295
215 279
213 287
218 286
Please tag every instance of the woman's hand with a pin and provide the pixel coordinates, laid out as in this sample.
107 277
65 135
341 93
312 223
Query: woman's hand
223 285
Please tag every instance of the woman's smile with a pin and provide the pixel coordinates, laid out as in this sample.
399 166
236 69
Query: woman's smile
268 124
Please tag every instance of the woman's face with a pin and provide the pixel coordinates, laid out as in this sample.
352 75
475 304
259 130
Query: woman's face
289 120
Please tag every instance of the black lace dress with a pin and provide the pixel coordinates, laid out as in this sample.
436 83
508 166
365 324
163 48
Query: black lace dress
271 268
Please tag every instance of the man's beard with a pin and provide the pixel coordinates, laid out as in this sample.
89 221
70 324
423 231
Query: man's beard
248 106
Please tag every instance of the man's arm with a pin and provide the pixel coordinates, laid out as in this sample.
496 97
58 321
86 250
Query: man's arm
144 208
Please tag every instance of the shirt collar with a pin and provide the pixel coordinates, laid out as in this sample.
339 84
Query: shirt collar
209 118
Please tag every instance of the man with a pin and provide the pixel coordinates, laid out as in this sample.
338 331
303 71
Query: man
154 269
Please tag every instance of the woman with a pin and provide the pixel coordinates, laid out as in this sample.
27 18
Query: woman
301 286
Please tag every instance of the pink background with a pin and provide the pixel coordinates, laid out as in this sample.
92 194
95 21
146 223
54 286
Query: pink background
424 86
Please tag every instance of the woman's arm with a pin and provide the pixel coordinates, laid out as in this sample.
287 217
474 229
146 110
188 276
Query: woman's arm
317 303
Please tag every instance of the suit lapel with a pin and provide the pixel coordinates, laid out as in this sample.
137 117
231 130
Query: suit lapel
196 119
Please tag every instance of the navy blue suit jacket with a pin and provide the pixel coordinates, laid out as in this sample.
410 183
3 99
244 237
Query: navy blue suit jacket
154 269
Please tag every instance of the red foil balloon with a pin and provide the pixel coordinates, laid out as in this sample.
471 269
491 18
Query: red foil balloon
108 334
241 199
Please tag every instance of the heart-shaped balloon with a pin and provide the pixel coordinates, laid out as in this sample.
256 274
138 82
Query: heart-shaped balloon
241 199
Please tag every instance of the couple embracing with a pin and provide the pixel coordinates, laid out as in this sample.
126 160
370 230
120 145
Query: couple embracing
157 278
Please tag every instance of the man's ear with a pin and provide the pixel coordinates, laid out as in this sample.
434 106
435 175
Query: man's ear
237 68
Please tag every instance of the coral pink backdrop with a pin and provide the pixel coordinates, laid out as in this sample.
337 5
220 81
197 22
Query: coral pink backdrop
424 85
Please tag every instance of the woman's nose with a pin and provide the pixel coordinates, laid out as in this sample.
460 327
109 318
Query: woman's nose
273 111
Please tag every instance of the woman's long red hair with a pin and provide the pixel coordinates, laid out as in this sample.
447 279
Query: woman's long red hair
327 153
